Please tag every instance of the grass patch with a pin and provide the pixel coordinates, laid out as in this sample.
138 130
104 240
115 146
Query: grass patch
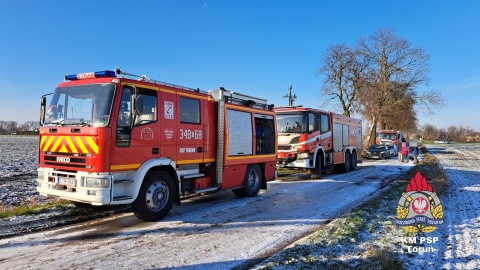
431 169
70 208
287 171
33 209
384 259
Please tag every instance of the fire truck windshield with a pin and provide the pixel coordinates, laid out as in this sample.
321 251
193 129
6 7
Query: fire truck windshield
387 136
88 105
291 122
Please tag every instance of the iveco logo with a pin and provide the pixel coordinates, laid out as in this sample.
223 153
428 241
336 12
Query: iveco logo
63 159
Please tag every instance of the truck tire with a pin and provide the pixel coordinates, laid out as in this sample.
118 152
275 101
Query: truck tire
317 171
346 165
155 198
353 161
252 182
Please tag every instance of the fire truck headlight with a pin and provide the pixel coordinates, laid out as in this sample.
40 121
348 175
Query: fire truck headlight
303 155
97 182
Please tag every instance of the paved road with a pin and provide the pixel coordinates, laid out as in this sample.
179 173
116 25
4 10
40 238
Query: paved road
217 231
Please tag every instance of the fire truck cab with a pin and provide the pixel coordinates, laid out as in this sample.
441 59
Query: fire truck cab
108 139
318 141
388 137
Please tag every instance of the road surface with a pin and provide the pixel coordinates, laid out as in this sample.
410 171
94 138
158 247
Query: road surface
218 231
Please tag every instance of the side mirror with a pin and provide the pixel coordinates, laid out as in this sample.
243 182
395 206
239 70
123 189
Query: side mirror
136 103
43 101
43 104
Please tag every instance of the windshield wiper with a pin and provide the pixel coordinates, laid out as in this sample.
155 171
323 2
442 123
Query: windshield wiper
80 123
73 122
58 122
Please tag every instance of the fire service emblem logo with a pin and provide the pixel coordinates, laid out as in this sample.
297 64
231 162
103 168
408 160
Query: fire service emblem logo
419 209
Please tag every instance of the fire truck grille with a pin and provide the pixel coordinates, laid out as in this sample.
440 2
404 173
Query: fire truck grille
66 160
284 147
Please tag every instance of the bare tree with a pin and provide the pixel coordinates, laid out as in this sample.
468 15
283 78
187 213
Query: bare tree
468 131
399 113
3 127
430 101
379 79
393 61
343 67
31 125
429 132
442 134
12 126
452 133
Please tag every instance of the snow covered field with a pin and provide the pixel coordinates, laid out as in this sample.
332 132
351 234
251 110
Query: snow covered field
18 170
459 245
459 238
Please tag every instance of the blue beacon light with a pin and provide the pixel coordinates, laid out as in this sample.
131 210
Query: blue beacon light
90 75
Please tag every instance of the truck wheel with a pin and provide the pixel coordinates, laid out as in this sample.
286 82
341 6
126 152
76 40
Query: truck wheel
317 171
353 162
346 165
252 182
155 198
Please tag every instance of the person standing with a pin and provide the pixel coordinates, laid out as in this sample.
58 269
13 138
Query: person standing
415 154
404 151
399 148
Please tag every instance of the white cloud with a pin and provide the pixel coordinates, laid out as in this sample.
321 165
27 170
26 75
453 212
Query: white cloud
465 85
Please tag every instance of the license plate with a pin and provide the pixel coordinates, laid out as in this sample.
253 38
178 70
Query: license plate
66 181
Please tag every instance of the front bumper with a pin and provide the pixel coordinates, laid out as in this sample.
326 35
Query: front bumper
72 186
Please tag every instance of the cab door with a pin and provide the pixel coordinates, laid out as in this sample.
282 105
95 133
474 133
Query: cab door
137 138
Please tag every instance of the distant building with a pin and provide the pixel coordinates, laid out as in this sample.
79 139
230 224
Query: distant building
472 138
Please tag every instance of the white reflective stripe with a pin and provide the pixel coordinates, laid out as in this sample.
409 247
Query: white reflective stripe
323 136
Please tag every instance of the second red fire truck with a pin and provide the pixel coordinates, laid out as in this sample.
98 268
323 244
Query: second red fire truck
108 139
388 137
317 141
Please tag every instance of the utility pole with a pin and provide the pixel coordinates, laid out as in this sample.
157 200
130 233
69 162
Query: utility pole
291 98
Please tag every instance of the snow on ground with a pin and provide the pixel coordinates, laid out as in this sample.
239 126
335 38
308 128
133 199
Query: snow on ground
214 236
218 231
18 170
453 245
460 245
459 238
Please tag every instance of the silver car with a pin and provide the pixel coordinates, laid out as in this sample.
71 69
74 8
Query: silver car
392 148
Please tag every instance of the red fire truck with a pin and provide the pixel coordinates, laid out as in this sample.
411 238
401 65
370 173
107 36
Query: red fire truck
108 138
388 137
318 141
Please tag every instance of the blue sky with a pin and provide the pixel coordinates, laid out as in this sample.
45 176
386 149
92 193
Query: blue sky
258 48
